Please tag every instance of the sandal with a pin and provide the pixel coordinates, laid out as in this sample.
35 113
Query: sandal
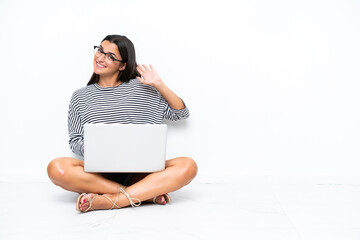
113 202
166 196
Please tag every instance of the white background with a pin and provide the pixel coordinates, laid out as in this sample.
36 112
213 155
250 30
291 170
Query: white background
272 86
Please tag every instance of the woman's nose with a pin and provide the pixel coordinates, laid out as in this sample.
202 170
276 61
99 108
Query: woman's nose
101 57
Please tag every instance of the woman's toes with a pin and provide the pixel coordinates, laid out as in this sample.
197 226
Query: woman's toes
84 203
83 206
160 200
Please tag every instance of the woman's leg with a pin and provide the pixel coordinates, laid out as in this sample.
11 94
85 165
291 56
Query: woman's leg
160 199
178 172
69 174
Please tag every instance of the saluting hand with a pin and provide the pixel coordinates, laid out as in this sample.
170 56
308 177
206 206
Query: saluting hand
149 76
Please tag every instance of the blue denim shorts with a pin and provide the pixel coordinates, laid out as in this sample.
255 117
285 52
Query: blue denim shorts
122 178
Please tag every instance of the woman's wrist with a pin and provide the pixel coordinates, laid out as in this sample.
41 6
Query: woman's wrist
160 86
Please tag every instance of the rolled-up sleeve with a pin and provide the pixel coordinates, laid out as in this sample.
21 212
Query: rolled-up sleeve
75 128
174 114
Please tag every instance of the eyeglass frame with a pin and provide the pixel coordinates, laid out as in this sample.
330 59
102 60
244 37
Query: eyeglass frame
101 51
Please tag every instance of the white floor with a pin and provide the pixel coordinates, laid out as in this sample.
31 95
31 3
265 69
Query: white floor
41 210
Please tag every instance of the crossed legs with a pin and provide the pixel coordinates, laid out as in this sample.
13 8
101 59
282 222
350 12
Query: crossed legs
69 174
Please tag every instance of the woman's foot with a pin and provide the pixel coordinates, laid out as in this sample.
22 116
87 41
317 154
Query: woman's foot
159 200
93 201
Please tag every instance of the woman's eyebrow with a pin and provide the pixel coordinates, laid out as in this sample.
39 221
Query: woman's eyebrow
107 52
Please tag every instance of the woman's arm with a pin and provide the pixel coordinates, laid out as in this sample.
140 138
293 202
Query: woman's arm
149 76
75 128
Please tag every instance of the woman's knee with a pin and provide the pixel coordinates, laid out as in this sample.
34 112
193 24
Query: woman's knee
188 169
58 167
55 170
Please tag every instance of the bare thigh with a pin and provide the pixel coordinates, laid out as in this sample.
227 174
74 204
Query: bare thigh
181 163
69 174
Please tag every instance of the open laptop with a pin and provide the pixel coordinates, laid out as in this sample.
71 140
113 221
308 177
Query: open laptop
124 147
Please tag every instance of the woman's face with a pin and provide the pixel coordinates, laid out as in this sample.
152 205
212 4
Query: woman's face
103 64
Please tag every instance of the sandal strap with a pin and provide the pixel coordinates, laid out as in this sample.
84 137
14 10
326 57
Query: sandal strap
90 201
113 202
121 190
130 198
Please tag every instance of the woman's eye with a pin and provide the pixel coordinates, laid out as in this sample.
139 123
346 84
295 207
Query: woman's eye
110 57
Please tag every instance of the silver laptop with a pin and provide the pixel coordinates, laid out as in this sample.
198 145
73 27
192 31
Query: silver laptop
124 147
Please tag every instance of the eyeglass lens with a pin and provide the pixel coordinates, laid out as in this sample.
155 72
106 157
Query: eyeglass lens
108 56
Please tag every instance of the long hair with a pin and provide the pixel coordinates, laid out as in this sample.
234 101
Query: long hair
127 52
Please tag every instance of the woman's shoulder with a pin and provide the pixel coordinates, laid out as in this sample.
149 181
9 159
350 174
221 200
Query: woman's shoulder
136 84
82 91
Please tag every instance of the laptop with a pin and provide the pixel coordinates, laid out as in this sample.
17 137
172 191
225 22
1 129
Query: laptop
124 147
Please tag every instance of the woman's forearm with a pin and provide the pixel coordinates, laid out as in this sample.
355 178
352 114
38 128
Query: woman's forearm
174 101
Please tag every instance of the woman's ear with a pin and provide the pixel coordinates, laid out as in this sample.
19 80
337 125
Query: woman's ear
122 67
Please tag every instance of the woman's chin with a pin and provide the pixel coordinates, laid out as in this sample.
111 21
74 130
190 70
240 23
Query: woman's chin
96 71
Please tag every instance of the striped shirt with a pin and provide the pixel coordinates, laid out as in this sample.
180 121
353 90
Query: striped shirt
129 102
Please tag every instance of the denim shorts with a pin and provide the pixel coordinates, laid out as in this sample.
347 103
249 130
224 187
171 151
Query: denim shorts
122 178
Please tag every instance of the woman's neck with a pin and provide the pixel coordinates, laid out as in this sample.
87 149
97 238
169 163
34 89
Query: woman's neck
106 81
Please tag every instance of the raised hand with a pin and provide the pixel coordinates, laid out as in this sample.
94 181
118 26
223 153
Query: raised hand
149 76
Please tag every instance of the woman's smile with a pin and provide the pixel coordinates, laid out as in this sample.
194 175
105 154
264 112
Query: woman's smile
100 65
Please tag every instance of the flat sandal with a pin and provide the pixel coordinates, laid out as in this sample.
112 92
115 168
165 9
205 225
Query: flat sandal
113 202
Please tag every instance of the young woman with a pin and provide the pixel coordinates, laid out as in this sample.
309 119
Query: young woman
120 91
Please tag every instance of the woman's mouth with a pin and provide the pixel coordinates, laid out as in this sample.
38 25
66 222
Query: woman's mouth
99 65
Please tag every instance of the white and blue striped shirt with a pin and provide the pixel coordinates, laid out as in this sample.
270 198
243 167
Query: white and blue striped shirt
129 102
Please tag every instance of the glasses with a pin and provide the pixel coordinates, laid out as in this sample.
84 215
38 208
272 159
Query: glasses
109 57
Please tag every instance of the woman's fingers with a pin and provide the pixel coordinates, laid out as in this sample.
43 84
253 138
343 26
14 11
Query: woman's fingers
146 67
148 75
140 70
